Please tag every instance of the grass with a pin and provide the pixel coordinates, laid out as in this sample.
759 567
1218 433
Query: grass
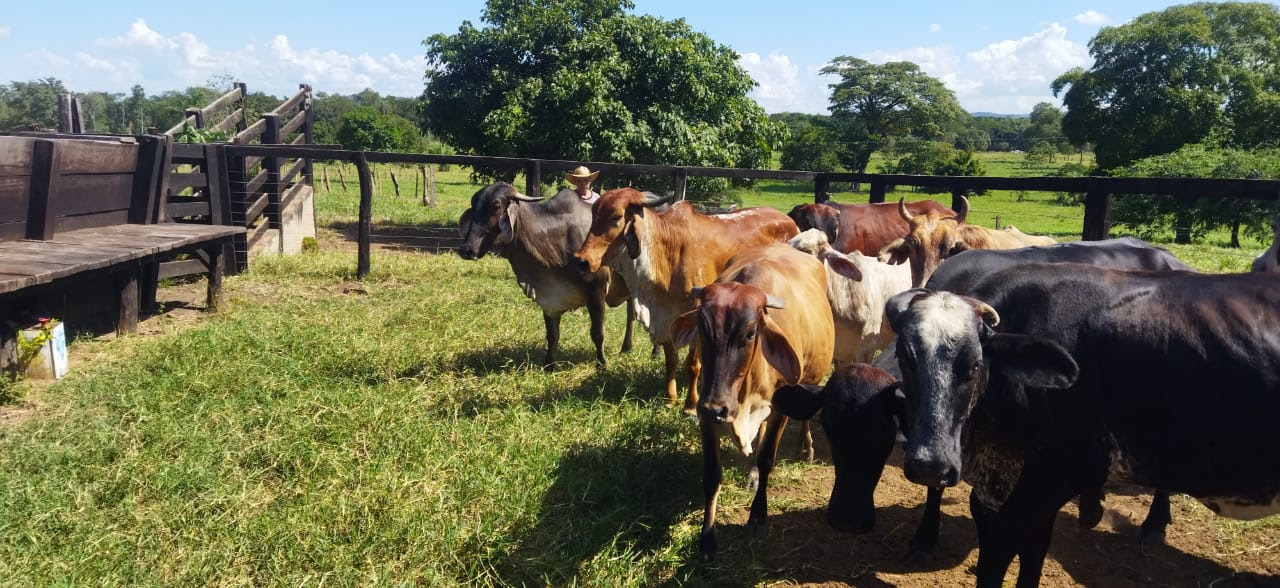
395 433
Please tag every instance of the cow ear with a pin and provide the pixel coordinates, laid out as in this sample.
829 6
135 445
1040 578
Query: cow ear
957 247
683 328
833 226
898 406
894 253
507 224
631 240
1031 361
798 401
778 351
464 223
842 265
896 308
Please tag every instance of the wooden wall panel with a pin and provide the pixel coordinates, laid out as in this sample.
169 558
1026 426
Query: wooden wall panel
80 193
99 157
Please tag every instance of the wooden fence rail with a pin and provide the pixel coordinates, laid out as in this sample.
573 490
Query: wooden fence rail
1098 191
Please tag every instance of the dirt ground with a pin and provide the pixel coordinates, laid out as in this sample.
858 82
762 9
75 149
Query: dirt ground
1201 550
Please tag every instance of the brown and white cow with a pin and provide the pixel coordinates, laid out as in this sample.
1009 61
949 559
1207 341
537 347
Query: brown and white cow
858 287
864 228
934 237
764 323
663 256
1269 261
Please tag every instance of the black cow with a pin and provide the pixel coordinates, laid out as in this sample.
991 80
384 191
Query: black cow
539 240
1164 379
855 425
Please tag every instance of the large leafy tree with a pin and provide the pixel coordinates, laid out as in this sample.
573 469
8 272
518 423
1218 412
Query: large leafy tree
584 80
874 103
366 129
1179 76
31 103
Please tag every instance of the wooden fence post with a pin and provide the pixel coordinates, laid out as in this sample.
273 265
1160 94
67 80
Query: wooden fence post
307 128
324 177
957 194
64 113
244 99
1097 215
681 181
271 163
394 182
429 185
533 178
877 191
366 215
199 116
342 178
821 188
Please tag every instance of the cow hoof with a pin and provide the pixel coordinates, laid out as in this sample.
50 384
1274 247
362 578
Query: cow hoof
759 528
707 547
918 558
1151 536
1090 515
805 454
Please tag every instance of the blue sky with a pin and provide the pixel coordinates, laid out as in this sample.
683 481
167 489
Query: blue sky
996 56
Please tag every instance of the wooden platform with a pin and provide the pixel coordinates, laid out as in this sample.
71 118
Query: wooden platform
27 263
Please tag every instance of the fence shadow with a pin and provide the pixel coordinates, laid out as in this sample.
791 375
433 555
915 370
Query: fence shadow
438 237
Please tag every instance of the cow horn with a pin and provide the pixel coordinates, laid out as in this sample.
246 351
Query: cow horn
771 301
902 210
657 200
988 314
964 209
523 198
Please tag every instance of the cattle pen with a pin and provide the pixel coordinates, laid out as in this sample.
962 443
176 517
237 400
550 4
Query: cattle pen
1099 191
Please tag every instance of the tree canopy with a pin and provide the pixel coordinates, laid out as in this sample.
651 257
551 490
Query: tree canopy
1175 77
366 129
873 103
584 80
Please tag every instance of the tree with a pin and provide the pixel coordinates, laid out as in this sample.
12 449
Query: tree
366 129
1045 126
873 103
1176 77
583 80
31 103
932 158
812 148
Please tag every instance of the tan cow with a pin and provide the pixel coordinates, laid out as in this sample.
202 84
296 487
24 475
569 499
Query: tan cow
934 237
763 324
663 256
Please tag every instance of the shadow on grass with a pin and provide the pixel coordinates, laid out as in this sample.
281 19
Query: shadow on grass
439 237
613 502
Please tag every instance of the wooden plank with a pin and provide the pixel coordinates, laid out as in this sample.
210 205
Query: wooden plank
188 152
13 230
98 157
15 156
127 299
15 194
254 131
91 221
292 172
46 167
254 211
84 194
221 103
186 267
180 182
219 202
233 120
151 179
365 219
64 113
290 104
255 185
175 129
1097 216
181 209
256 234
294 124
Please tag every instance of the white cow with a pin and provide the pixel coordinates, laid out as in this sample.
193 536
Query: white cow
858 287
1269 261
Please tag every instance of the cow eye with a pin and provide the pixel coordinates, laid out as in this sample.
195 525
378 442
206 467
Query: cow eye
749 336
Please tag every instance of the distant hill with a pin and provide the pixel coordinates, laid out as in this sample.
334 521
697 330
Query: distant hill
997 115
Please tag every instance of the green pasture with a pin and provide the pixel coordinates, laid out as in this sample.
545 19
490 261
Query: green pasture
395 431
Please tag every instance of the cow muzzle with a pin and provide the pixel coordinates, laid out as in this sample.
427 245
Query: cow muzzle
933 473
717 411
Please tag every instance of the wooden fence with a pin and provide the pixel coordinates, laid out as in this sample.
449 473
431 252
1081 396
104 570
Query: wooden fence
254 189
1098 191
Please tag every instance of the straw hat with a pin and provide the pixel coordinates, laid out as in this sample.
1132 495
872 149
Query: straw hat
581 173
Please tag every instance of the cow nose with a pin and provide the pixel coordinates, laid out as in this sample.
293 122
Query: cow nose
581 264
931 473
719 412
466 253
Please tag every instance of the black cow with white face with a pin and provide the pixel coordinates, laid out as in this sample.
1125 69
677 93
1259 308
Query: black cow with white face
856 426
1053 377
539 240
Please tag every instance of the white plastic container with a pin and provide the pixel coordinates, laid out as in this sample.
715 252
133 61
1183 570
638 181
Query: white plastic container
50 362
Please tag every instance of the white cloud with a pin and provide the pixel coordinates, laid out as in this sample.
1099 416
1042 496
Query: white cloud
785 86
1092 17
935 28
162 61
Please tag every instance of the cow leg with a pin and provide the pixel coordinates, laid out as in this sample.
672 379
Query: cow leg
1091 508
996 545
764 465
1023 526
920 550
552 323
595 309
653 352
693 367
631 326
1157 519
673 360
804 446
711 477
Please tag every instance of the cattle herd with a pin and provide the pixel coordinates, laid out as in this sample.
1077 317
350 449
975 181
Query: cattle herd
1037 372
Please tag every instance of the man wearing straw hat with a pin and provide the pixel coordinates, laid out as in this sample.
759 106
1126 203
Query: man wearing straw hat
581 178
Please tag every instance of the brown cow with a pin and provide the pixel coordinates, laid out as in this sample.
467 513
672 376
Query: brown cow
864 228
669 253
934 237
763 324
